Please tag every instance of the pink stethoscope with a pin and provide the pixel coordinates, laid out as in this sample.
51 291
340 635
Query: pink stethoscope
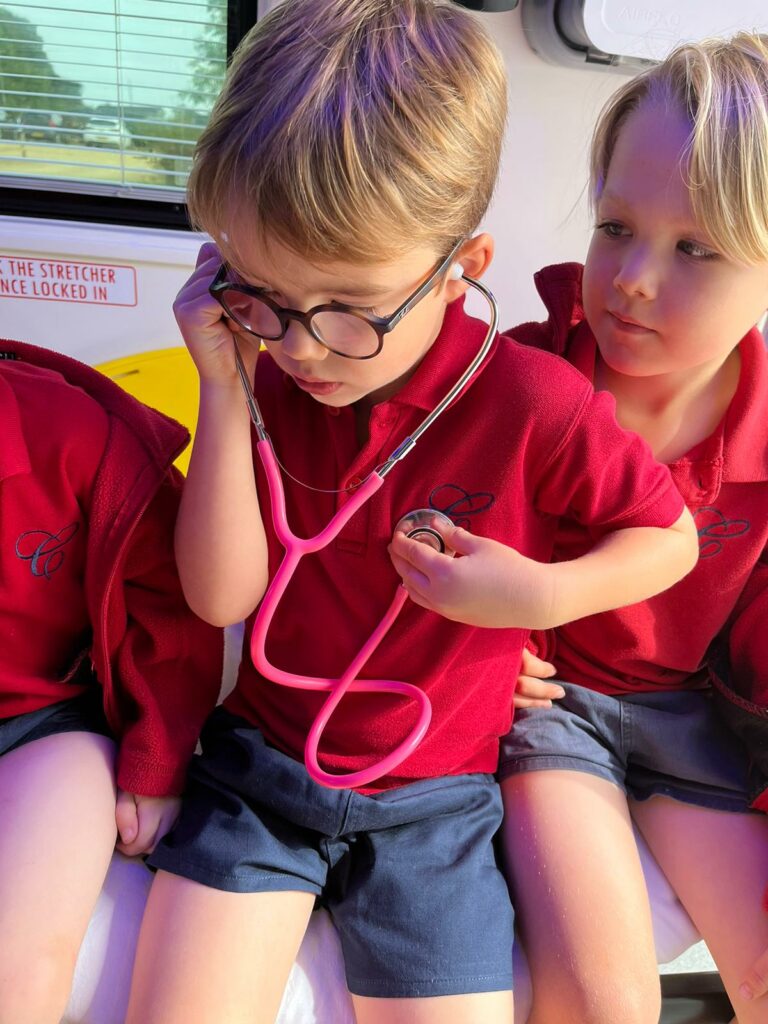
419 524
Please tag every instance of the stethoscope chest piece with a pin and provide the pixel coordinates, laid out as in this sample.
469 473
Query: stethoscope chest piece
424 525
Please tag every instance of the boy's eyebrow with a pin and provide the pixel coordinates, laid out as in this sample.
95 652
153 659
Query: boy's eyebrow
363 291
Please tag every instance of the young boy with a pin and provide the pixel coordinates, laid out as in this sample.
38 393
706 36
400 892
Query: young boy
97 642
349 159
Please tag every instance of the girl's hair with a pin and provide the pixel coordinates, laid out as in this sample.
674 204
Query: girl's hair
722 86
354 129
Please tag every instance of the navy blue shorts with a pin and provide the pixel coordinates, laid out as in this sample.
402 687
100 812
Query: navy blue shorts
84 713
409 875
669 743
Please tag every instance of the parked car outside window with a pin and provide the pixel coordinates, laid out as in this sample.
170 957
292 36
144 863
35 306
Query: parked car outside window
106 131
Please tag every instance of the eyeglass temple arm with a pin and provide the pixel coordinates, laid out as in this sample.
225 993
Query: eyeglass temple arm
250 398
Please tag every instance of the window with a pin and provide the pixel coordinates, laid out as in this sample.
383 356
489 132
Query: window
106 98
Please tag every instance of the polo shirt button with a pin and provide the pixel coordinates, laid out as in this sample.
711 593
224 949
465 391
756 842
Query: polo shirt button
333 410
354 482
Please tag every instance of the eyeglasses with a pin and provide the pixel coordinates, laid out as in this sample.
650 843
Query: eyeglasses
342 329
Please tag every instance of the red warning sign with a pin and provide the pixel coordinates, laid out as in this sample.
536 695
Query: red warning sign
102 284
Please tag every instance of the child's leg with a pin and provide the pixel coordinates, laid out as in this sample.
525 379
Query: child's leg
57 800
207 955
480 1008
580 897
717 863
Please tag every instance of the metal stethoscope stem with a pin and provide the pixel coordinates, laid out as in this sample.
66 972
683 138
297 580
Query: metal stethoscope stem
296 548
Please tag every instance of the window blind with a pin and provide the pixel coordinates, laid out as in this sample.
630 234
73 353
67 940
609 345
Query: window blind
107 96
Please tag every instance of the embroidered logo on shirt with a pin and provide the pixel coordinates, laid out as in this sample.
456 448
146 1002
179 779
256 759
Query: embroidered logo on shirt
713 528
458 504
43 550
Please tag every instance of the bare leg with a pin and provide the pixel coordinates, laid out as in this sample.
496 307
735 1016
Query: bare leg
580 896
717 863
211 957
57 806
478 1008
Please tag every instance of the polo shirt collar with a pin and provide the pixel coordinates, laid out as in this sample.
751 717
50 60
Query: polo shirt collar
457 343
738 446
14 456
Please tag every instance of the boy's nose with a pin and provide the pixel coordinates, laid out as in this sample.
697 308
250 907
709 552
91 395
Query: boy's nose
637 275
298 344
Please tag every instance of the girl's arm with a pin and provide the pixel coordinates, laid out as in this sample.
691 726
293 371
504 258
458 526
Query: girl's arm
220 543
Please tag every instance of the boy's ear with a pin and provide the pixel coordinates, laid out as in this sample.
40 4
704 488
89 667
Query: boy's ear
474 256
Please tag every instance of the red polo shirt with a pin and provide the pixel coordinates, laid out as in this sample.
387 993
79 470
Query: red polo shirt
45 491
663 642
526 443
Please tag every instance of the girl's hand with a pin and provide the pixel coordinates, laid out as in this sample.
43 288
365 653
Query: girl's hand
206 330
142 821
491 585
531 690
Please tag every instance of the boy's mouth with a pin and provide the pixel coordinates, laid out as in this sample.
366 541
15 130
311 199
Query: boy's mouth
317 387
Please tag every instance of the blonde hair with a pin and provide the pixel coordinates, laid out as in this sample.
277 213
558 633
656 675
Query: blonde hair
721 85
354 129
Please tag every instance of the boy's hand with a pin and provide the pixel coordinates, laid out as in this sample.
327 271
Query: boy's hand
531 690
206 331
755 984
491 585
143 820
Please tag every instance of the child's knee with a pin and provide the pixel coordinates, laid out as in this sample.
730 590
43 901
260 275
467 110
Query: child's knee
625 999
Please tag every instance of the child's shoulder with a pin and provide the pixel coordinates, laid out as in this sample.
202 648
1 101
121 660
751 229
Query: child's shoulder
45 399
58 393
534 376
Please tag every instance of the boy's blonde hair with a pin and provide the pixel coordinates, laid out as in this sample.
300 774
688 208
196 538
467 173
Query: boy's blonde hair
354 130
722 86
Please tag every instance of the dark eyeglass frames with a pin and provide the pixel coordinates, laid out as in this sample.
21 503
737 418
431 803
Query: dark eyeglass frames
342 329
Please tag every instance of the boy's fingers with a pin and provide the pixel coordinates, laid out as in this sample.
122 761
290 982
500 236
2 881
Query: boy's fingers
533 686
126 817
534 666
422 556
530 702
756 982
462 541
207 251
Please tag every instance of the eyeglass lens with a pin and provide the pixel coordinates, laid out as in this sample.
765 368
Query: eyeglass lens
342 332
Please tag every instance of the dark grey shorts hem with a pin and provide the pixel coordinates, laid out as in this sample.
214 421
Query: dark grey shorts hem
373 988
548 762
169 861
83 713
712 802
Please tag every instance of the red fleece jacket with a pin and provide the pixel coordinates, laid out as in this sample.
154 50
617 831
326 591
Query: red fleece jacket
160 666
